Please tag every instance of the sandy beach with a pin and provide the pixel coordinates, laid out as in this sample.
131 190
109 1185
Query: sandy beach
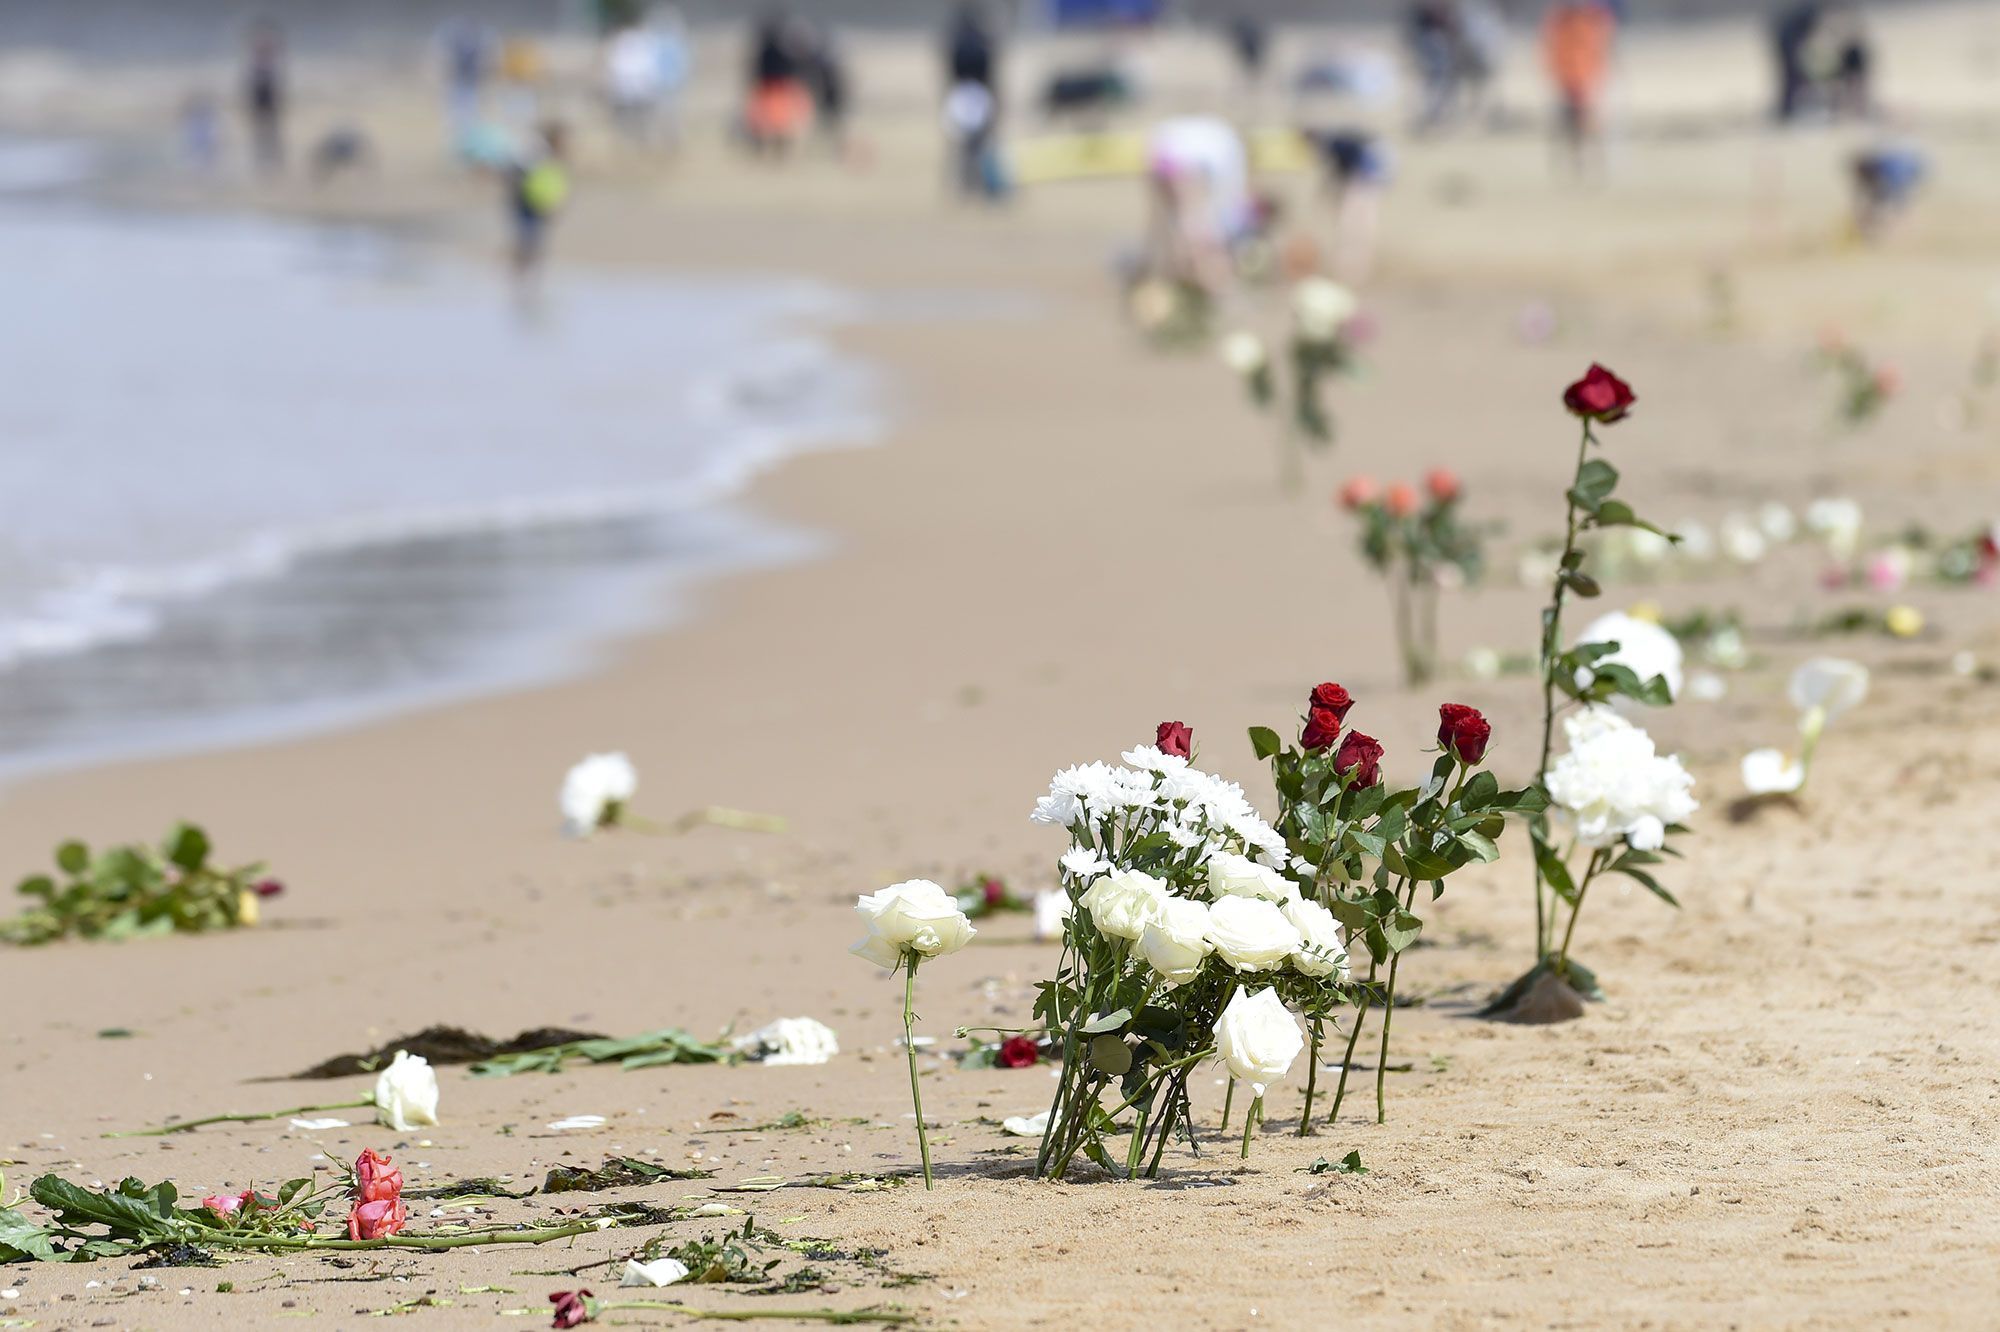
1782 1116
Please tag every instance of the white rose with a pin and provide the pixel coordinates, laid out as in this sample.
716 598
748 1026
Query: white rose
1644 647
1052 908
1777 522
1231 875
1768 772
1697 542
1251 934
1244 353
1121 905
1742 540
1612 786
914 917
1321 952
1258 1038
1833 685
596 791
406 1093
799 1040
1836 521
1320 306
659 1272
1177 943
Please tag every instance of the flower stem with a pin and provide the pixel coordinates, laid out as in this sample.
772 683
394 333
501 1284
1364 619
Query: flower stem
1249 1123
1312 1080
185 1125
1353 1036
1576 909
1382 1061
1551 645
910 1049
425 1243
1228 1099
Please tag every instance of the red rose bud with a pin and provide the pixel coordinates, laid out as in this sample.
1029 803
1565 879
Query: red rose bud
1361 757
1463 731
1332 698
1018 1052
1174 739
572 1307
992 891
1443 484
1599 396
267 887
1322 728
1401 500
1358 492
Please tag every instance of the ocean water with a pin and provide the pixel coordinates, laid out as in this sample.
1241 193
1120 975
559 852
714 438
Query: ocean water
258 477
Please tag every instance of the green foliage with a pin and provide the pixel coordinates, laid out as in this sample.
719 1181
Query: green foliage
1349 1164
669 1045
617 1172
126 892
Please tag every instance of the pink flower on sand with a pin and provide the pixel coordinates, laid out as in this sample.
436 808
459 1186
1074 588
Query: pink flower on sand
1888 570
226 1205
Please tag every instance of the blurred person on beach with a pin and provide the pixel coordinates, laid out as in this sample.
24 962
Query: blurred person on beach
264 93
1791 33
633 83
825 73
521 72
1250 42
467 50
972 104
1431 29
537 187
1883 179
1202 209
778 106
1356 169
1577 41
1851 61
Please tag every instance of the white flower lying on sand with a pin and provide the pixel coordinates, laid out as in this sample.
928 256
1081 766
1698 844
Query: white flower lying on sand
595 793
575 1122
1258 1038
1320 306
318 1125
799 1040
406 1093
1613 787
1837 522
1777 522
1644 648
1244 353
1770 772
1742 539
659 1272
1251 934
1052 908
1026 1126
915 916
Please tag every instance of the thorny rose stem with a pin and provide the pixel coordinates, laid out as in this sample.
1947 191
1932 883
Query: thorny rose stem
910 1049
184 1125
1347 1060
1551 642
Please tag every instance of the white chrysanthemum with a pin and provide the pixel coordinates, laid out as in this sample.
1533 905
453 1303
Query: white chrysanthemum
1151 758
1084 862
1643 647
799 1040
1231 875
1251 934
1613 787
595 791
1320 306
1769 772
1321 952
1122 904
1258 1038
1176 944
1243 353
1836 521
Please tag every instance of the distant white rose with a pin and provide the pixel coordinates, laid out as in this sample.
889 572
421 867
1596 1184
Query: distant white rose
1643 647
1320 306
1697 542
1052 908
914 917
1320 953
1833 685
406 1093
1742 540
595 793
1258 1038
1231 875
1121 905
1707 687
1177 943
1244 353
1777 522
659 1272
1769 772
799 1040
1251 934
1837 522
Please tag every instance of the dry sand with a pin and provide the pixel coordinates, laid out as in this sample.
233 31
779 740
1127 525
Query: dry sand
1783 1116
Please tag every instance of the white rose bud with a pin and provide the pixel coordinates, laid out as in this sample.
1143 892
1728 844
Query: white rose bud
915 917
1769 772
406 1093
1231 875
1322 953
595 792
1258 1038
1251 934
1320 306
1244 353
1177 944
1121 905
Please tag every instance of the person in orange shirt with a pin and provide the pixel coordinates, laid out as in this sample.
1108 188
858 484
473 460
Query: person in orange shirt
1577 37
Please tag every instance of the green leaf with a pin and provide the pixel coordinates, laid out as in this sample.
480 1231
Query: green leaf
1400 929
21 1240
1265 742
1582 584
1480 792
73 857
1554 872
1595 481
1650 882
1481 847
187 847
1103 1022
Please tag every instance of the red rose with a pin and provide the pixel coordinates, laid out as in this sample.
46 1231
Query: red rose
1018 1052
1332 698
992 891
1600 396
1361 756
1322 728
378 1198
1357 492
267 887
572 1307
1175 739
1463 731
1443 484
1401 501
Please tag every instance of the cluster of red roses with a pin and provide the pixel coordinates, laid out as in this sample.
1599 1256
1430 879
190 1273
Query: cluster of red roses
1462 730
378 1198
1400 499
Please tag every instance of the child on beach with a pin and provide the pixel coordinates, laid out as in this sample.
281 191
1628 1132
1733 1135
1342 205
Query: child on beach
1577 37
537 188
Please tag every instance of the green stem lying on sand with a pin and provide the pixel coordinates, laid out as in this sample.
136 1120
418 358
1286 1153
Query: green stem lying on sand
365 1103
838 1317
424 1243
